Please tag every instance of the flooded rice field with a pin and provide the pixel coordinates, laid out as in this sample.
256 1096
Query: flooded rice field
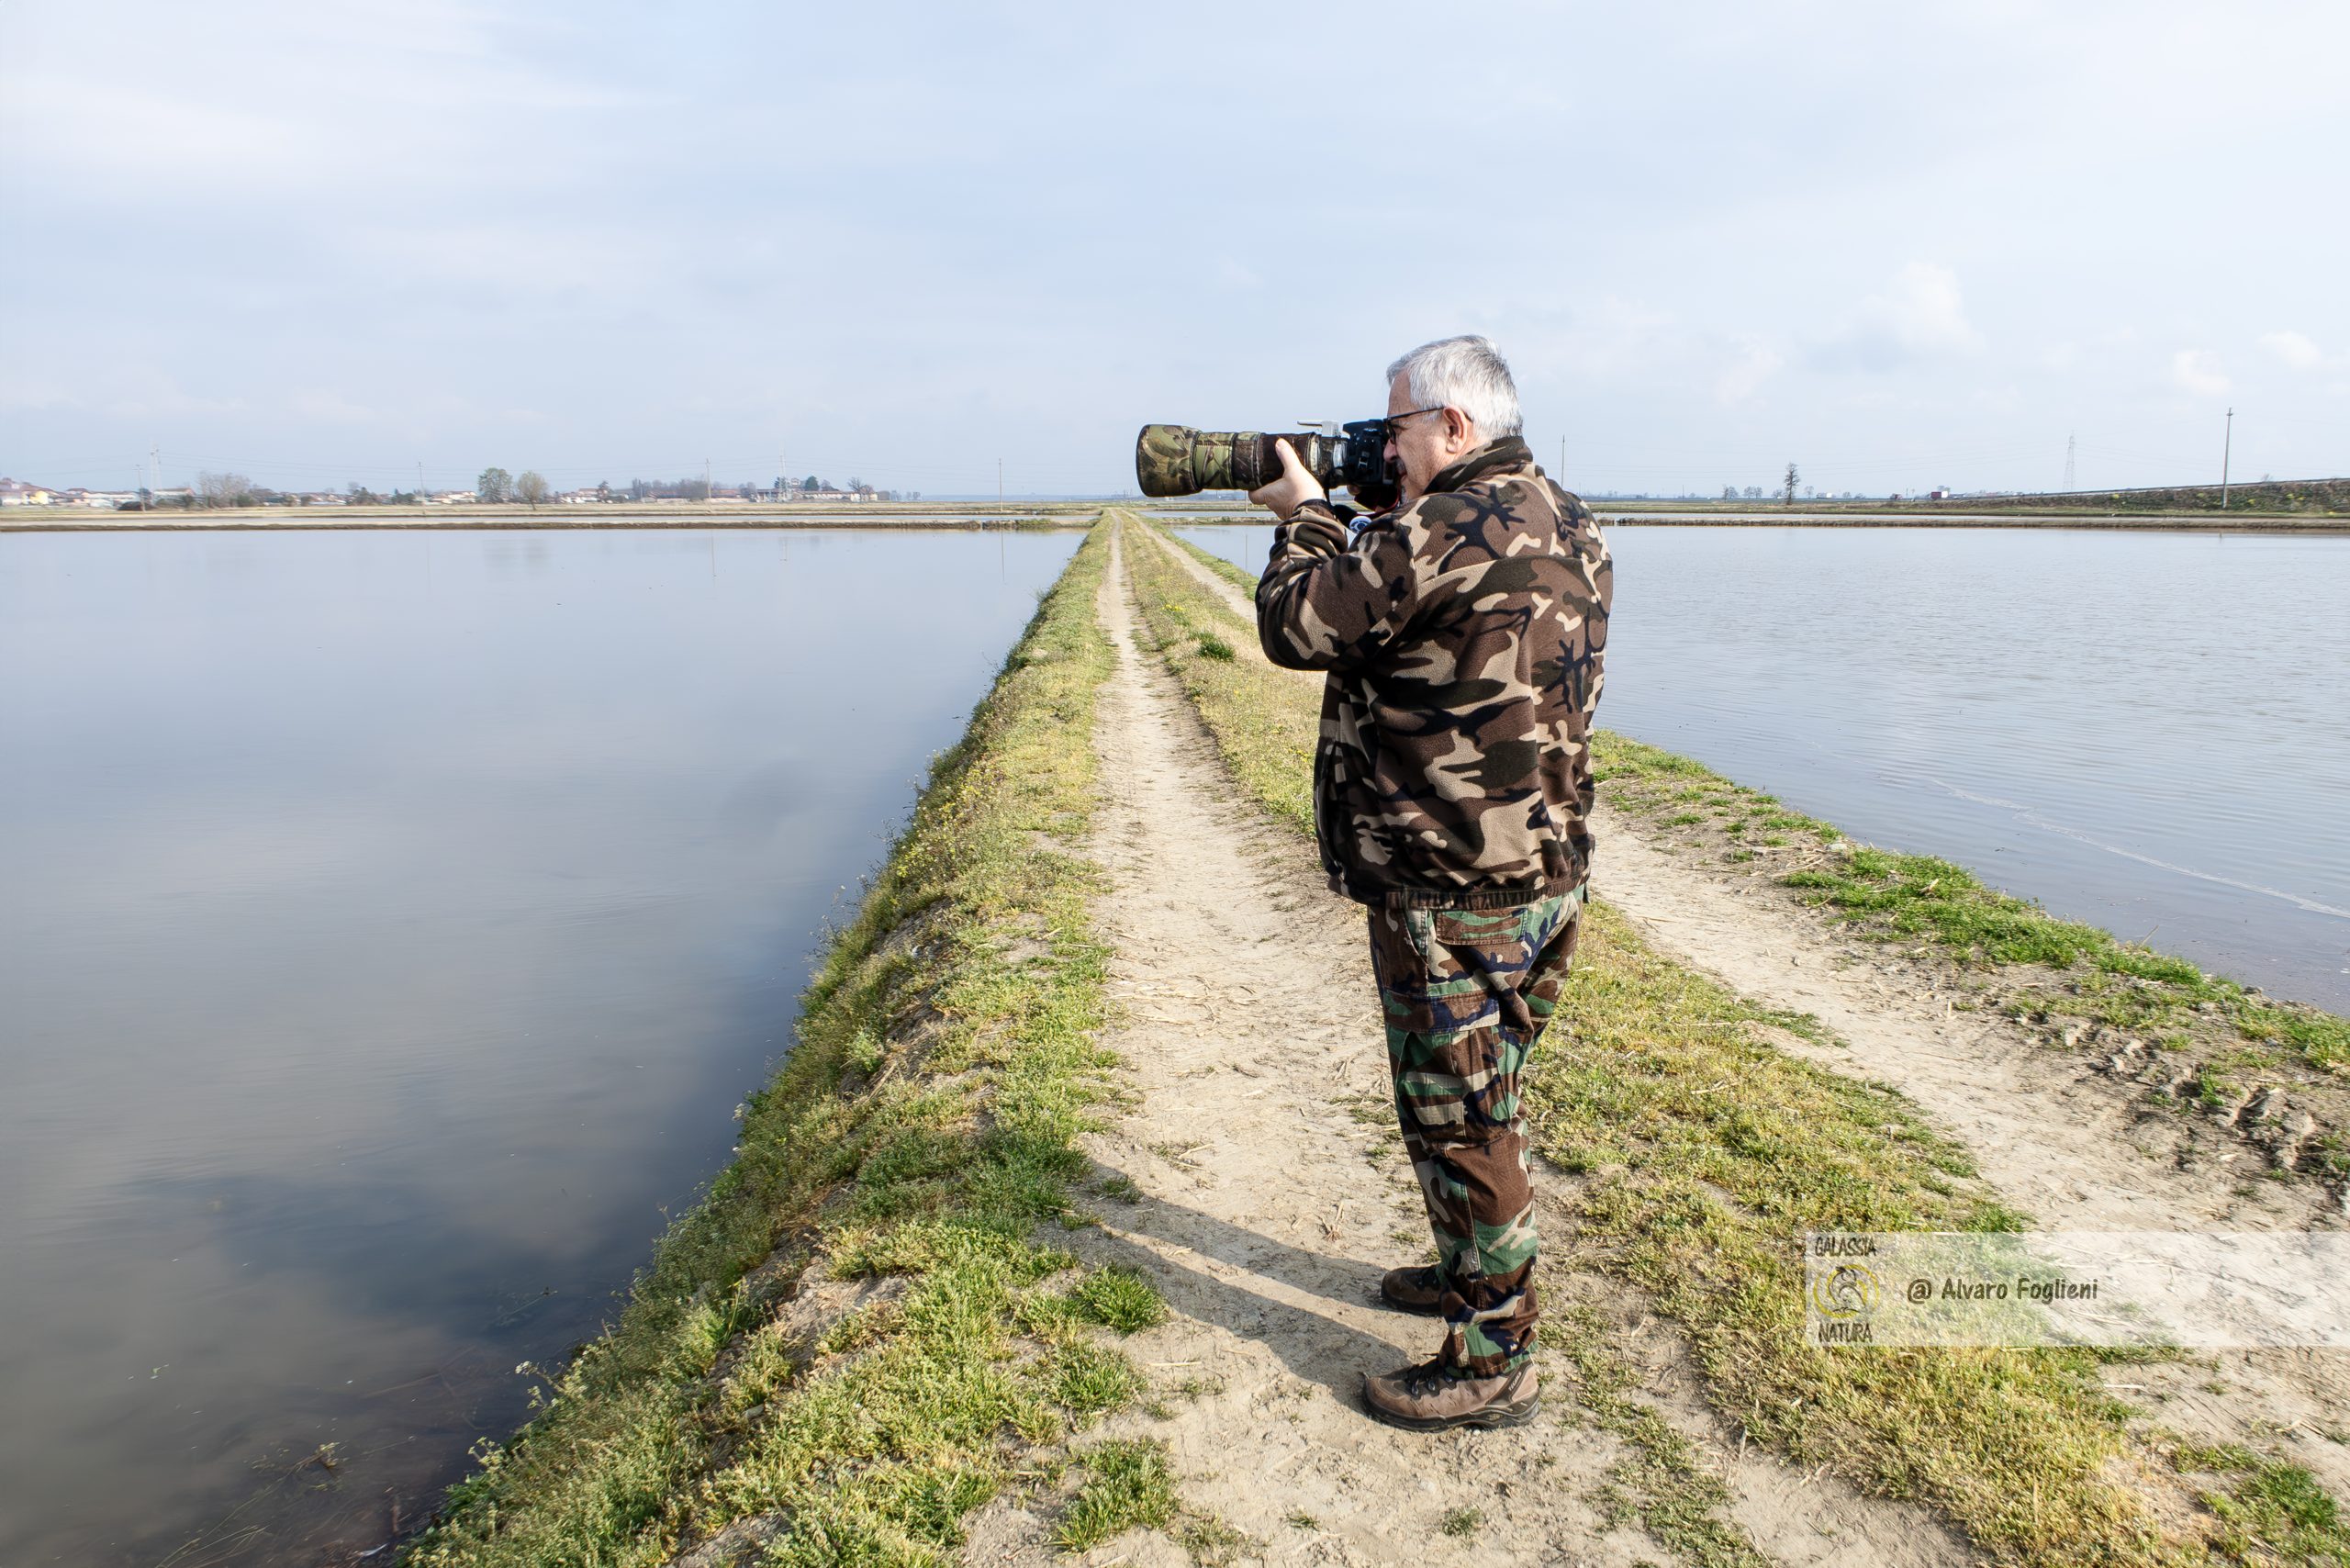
2142 731
390 923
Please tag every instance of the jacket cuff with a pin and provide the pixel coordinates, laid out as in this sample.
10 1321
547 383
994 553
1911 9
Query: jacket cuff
1313 528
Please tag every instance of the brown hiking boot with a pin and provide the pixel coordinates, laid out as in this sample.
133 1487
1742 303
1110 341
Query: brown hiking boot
1423 1399
1413 1290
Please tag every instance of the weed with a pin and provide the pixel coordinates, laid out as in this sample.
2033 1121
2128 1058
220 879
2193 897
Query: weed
1209 1541
1120 1299
1126 1486
2270 1507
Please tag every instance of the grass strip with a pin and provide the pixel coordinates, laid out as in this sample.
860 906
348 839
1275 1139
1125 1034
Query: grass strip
1265 720
924 1127
1702 1151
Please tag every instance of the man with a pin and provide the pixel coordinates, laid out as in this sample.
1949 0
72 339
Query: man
1462 632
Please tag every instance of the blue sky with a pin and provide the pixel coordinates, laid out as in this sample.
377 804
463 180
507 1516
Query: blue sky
1900 246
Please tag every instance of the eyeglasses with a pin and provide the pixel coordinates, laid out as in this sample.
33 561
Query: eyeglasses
1394 419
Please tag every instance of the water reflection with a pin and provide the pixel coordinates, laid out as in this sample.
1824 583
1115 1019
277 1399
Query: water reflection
390 922
2142 731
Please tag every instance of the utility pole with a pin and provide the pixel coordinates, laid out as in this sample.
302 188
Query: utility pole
155 462
2068 463
999 481
419 481
2227 450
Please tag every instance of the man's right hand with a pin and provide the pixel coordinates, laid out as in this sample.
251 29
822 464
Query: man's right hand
1292 490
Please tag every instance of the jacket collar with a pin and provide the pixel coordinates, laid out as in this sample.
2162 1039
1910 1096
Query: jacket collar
1509 452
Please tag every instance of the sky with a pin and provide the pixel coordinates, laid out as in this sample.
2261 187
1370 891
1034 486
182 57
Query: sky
1899 246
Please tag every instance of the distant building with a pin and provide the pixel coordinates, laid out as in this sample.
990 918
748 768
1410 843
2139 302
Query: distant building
16 493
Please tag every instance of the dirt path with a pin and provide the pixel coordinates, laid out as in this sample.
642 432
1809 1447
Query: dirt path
2064 1144
1269 1192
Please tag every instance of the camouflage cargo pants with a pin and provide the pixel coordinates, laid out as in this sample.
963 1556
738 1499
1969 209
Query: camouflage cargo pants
1466 994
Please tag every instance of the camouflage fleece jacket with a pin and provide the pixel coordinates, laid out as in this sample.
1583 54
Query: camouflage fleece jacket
1464 635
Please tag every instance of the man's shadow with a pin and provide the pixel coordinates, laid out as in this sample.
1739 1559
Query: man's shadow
1316 1346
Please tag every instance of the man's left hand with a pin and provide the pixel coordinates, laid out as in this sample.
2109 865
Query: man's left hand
1292 490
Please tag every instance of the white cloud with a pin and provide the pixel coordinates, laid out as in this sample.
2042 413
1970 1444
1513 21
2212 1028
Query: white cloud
1920 314
2192 370
2292 348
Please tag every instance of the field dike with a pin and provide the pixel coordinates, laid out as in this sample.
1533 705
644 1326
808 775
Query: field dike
1690 1127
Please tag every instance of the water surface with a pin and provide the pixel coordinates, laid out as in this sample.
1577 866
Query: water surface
390 922
2142 731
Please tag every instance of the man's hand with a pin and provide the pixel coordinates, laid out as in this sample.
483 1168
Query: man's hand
1292 490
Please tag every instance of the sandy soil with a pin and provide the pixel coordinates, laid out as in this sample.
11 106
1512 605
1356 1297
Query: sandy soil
1272 1194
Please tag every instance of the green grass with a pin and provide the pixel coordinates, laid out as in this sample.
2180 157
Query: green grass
1126 1486
1704 1152
1265 731
924 1125
2272 1511
1461 1523
1660 1482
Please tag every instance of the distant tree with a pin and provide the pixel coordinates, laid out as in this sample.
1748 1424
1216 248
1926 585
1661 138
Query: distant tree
532 488
1787 495
747 490
856 484
603 490
360 495
913 494
694 490
811 483
225 490
495 485
1730 492
640 489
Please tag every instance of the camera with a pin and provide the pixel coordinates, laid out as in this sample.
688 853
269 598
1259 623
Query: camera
1176 460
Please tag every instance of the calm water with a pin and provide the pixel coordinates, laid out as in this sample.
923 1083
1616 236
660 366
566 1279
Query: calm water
388 923
2145 731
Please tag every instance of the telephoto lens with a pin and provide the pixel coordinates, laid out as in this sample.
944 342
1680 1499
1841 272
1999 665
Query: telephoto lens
1176 460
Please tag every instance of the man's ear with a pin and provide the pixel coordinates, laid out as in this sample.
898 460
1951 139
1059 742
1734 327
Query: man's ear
1457 428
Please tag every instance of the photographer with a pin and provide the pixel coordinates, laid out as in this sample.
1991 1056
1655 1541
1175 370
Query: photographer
1462 632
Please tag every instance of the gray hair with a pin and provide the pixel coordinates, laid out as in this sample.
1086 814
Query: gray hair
1466 373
